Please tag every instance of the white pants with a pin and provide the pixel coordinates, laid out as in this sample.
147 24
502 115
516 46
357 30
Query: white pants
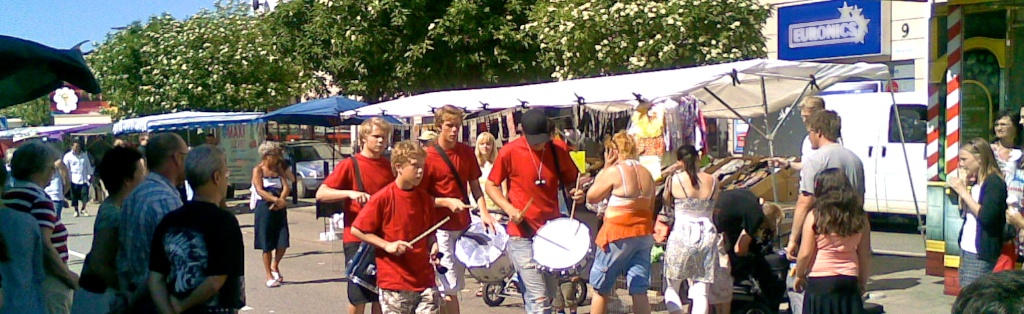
451 282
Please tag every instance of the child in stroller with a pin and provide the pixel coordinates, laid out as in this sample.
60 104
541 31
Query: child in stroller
751 228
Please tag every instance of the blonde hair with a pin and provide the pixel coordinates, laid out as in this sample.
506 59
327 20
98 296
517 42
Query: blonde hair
813 104
623 143
367 127
405 151
448 113
269 147
486 137
982 150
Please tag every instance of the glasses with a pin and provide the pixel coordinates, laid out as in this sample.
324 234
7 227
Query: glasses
1003 124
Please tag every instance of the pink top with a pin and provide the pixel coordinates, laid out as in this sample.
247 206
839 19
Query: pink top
836 256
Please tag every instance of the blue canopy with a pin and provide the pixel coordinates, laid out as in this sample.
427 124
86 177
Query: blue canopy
320 112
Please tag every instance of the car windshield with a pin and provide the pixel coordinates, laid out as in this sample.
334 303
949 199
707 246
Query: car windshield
306 153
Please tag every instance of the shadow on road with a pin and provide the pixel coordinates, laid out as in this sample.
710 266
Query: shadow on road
291 256
893 284
887 264
330 280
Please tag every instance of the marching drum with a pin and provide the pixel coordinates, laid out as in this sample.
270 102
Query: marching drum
487 262
362 269
563 247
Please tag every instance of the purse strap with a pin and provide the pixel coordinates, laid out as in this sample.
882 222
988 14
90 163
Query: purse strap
359 176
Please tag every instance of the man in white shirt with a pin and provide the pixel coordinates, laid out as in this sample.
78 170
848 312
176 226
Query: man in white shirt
80 169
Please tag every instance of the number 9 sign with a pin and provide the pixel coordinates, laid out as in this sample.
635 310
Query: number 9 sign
906 30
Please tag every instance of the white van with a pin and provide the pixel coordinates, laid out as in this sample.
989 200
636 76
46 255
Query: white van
870 129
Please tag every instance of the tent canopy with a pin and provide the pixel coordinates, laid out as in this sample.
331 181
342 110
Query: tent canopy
55 131
101 129
319 112
183 120
737 83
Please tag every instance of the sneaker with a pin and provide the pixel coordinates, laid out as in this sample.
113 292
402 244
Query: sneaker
77 214
85 213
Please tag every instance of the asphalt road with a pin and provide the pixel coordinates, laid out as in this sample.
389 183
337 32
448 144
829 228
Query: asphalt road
314 271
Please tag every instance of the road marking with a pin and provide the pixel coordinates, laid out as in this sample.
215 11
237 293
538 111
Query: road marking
76 254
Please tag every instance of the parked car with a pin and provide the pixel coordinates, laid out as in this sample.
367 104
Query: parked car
312 161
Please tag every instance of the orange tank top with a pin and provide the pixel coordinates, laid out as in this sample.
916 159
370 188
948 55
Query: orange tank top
837 256
626 217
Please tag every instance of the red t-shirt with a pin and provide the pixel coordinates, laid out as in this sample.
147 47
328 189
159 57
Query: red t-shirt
395 214
518 163
376 173
439 181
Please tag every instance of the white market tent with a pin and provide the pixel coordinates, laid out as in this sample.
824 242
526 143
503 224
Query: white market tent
183 120
743 89
738 84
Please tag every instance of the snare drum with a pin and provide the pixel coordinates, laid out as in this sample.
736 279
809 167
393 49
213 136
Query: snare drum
488 263
563 247
362 269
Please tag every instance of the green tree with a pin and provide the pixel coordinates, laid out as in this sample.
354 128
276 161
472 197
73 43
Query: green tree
219 60
581 38
383 49
32 113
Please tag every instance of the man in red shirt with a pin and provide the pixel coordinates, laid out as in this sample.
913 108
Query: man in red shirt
391 220
442 179
374 173
528 163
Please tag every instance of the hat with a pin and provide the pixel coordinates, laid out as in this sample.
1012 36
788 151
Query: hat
535 127
427 135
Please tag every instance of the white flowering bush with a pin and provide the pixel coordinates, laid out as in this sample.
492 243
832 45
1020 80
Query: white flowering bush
581 38
219 60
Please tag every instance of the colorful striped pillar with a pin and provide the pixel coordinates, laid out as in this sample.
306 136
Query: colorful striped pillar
932 146
954 28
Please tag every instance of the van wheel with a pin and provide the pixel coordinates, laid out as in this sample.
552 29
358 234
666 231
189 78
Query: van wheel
300 191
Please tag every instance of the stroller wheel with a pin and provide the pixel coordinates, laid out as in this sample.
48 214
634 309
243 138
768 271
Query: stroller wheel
492 294
753 307
580 289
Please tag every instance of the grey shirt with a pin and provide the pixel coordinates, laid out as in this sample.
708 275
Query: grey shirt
23 275
832 156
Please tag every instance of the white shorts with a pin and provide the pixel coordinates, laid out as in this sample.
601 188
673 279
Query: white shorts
454 280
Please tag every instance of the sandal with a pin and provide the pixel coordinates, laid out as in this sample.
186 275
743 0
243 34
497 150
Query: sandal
277 276
273 283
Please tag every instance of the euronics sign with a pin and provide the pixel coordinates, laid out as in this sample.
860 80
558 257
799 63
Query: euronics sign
830 29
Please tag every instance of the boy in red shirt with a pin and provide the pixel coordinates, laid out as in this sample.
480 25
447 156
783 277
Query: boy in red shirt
528 163
343 185
392 217
441 180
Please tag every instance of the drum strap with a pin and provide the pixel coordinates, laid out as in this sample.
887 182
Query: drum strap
455 172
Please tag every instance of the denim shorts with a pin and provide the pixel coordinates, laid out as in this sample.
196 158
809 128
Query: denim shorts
630 256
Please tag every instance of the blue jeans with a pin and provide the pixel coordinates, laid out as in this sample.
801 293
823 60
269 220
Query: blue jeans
796 299
630 255
58 206
539 287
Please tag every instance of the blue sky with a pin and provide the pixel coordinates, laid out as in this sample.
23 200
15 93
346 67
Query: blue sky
64 23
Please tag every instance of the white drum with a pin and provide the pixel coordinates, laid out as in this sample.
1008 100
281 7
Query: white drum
563 246
487 262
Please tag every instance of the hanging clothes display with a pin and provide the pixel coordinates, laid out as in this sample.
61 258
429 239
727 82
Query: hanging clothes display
595 124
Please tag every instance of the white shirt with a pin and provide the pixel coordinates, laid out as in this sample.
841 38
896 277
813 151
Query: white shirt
79 167
806 152
969 241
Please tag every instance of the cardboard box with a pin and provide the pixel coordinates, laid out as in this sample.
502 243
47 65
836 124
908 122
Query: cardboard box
787 183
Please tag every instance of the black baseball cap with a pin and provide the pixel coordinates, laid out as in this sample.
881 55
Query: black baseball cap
535 127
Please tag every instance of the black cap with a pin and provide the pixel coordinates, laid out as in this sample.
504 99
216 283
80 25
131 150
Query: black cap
535 127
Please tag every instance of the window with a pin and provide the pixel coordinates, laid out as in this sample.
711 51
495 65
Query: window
915 123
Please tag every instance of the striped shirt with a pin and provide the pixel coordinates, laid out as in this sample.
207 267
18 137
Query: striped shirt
140 214
29 198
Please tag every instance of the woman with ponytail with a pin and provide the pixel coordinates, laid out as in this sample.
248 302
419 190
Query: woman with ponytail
694 252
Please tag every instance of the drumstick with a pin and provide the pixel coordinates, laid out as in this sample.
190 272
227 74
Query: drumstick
572 212
431 230
522 223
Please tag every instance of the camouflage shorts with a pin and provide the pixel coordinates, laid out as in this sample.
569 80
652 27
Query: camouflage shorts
405 302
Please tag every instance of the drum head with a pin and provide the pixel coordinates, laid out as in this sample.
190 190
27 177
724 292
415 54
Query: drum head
473 254
561 243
